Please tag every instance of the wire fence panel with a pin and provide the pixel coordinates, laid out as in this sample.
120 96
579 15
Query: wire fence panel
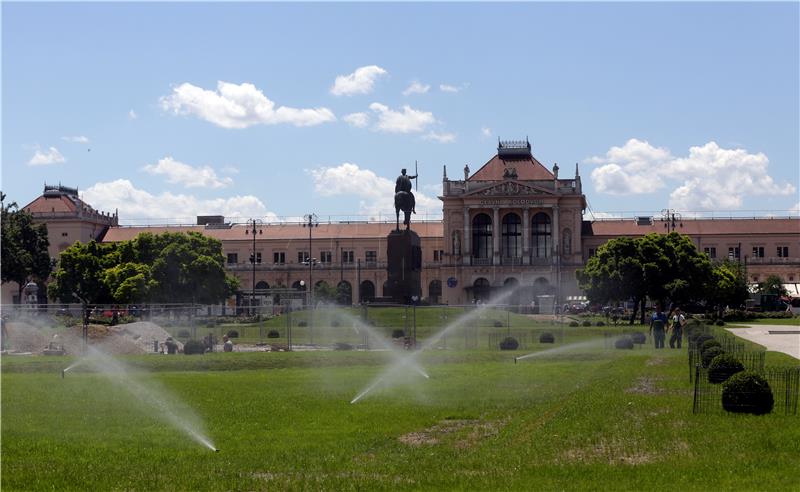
783 382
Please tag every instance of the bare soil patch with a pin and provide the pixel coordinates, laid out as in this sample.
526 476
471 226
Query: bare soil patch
463 433
645 385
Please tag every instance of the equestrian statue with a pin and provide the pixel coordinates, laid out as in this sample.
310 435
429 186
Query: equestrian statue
404 199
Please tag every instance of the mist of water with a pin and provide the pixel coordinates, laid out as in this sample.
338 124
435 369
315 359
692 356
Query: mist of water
572 347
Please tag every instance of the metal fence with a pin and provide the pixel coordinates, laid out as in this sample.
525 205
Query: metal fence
784 383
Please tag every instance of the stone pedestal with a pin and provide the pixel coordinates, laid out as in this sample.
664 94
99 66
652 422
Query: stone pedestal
404 256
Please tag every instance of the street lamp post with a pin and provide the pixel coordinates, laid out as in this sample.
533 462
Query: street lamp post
671 219
310 221
254 228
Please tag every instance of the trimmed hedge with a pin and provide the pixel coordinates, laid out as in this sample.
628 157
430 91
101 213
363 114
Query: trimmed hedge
509 343
498 324
342 346
623 343
586 323
336 323
708 344
747 392
193 347
574 323
709 355
719 322
723 367
600 323
547 337
639 338
398 333
233 334
302 323
273 334
701 339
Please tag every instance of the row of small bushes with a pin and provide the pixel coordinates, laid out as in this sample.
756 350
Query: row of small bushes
586 322
511 343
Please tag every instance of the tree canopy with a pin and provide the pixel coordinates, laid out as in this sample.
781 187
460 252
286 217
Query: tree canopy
166 268
24 247
773 284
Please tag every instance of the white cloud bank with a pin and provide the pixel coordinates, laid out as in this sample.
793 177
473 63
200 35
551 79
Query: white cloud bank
362 81
45 158
77 139
238 106
177 172
408 121
137 206
440 137
375 193
358 120
709 178
416 88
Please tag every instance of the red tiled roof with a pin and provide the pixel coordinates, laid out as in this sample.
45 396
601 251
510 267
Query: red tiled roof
49 204
356 230
739 226
527 168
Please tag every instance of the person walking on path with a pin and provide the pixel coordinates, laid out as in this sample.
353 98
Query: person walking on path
658 324
678 322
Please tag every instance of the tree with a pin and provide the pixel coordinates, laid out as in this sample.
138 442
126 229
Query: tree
773 284
25 245
728 286
81 274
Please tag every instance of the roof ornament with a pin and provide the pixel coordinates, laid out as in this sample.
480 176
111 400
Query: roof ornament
555 170
466 172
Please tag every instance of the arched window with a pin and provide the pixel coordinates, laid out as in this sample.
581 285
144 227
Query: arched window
566 242
482 236
344 293
262 285
512 236
434 291
540 235
481 289
298 286
367 291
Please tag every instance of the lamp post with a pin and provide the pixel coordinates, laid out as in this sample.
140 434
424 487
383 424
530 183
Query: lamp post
671 219
254 228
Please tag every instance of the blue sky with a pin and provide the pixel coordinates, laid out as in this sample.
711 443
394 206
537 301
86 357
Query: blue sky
164 110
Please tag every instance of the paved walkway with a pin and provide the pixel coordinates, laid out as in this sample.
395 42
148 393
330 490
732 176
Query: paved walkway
774 337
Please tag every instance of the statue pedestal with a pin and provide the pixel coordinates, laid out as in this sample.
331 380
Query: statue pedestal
404 256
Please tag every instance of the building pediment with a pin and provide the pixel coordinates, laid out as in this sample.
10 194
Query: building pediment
510 188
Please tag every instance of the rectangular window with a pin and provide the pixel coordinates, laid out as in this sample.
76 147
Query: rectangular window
258 257
325 257
711 251
783 251
279 257
733 253
758 251
64 234
233 258
348 256
371 256
591 251
302 256
438 255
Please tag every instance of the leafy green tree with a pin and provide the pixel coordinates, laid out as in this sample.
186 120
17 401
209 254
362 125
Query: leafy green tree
129 282
728 286
773 284
81 273
24 247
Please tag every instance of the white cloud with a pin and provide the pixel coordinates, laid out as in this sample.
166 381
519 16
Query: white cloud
361 81
132 115
50 156
230 169
452 88
77 139
239 106
486 132
709 178
358 120
416 88
188 176
441 137
137 206
375 193
409 121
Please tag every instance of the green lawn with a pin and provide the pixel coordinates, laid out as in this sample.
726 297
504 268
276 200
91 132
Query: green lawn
591 419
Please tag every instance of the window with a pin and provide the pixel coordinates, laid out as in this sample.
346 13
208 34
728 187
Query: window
438 255
233 258
733 252
783 251
258 257
64 234
758 251
371 256
279 257
512 236
541 235
482 236
591 252
348 256
710 251
302 256
325 257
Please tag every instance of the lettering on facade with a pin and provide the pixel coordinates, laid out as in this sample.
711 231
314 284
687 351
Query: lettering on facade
518 202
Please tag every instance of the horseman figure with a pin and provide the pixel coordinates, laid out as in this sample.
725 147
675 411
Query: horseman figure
404 199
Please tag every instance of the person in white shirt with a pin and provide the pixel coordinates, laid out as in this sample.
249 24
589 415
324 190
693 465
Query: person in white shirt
678 321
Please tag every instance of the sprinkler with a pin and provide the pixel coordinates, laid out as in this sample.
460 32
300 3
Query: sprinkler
63 373
515 360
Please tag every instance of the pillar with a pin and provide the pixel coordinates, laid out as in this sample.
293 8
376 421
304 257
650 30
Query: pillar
496 235
526 236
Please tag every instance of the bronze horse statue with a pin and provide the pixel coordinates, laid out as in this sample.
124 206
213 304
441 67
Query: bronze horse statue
403 200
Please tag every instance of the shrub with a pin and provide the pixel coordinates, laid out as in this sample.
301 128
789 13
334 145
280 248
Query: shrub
398 333
233 334
192 347
723 367
624 343
498 324
335 323
509 343
600 323
709 355
547 337
701 339
638 338
747 392
573 323
273 334
302 323
719 322
184 333
586 323
342 346
708 344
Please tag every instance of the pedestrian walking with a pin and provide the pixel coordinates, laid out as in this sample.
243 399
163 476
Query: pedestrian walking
658 323
678 322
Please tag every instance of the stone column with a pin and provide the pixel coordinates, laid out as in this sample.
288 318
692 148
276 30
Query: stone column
526 236
496 235
466 238
556 233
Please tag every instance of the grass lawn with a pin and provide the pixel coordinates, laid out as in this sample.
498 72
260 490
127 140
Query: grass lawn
590 419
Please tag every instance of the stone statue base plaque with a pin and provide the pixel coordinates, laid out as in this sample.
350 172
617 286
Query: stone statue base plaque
404 256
